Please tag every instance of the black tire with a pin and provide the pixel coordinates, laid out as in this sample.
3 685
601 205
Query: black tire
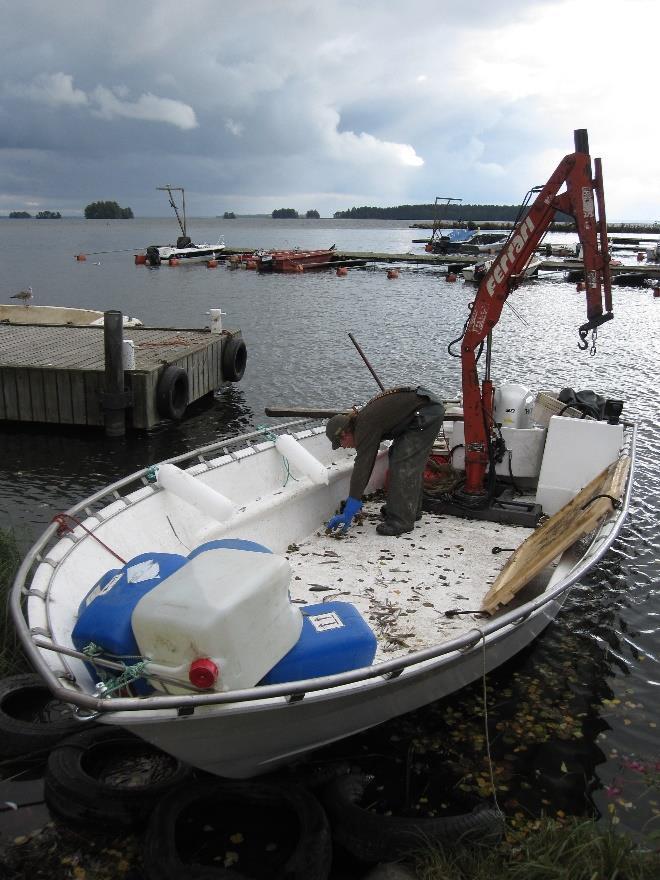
172 393
31 719
234 359
108 777
153 256
371 837
197 820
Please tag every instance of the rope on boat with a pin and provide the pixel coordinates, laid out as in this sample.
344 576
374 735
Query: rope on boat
107 686
64 527
268 434
486 734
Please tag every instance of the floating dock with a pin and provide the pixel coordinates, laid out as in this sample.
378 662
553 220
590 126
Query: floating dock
57 374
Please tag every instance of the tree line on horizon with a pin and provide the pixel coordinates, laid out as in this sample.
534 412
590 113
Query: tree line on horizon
430 212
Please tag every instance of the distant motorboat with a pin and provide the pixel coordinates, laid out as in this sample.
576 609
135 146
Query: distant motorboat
465 241
184 251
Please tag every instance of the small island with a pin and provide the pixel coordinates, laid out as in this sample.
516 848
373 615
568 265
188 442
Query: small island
229 215
19 215
285 214
107 211
49 215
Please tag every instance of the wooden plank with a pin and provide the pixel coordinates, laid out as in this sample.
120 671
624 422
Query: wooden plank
78 402
51 403
574 520
38 402
64 401
23 396
10 393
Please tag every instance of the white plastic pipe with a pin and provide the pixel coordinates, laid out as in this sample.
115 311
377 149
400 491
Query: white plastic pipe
290 448
192 490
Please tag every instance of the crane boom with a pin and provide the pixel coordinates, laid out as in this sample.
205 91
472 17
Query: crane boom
584 193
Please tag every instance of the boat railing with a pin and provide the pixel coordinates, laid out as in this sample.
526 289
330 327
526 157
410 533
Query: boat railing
481 637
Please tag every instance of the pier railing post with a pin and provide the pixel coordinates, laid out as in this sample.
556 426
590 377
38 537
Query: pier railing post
114 398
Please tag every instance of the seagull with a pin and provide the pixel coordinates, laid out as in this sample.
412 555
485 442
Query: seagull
25 295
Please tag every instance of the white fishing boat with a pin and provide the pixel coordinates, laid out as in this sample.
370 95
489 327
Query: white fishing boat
202 605
184 251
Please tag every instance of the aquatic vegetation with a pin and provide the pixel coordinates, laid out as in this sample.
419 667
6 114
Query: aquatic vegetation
575 849
12 659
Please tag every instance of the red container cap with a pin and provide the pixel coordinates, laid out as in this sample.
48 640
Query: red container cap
203 673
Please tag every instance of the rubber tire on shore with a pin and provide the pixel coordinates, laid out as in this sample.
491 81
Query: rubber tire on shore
310 858
371 837
234 359
172 393
107 776
31 719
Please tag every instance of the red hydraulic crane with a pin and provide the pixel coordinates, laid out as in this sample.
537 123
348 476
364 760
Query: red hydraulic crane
583 195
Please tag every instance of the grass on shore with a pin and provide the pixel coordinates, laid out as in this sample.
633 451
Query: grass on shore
575 849
12 658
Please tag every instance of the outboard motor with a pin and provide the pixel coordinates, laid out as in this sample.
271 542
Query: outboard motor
183 241
153 256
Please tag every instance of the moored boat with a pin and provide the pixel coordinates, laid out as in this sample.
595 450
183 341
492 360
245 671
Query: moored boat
294 260
22 314
184 251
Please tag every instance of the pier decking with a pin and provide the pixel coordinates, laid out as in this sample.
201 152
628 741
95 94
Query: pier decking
56 374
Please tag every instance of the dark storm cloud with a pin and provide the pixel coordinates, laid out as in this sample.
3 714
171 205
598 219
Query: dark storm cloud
267 102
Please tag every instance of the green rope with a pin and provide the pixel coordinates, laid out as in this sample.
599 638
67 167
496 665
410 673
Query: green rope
129 675
270 436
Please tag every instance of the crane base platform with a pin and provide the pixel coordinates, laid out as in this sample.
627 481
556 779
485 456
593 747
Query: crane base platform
500 510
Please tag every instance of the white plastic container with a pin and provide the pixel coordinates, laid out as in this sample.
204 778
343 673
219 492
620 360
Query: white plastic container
576 451
513 406
231 607
193 491
525 445
290 448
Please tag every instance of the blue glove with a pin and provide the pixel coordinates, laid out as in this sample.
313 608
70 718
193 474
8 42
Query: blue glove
344 519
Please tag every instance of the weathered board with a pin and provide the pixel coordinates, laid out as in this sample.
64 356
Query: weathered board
577 518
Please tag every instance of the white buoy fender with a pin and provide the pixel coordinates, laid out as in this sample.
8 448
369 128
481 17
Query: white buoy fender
290 448
192 490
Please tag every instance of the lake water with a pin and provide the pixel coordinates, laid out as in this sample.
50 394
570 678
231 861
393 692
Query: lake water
574 719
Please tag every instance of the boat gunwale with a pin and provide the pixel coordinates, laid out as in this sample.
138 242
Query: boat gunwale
477 638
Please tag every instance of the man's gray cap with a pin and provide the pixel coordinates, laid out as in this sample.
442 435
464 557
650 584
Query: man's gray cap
336 427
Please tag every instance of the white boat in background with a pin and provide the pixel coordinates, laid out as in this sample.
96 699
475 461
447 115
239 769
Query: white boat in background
184 251
26 314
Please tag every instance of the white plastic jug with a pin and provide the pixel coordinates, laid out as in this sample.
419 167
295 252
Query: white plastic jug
227 608
513 406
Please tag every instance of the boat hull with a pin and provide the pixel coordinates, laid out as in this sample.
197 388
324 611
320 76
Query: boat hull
246 740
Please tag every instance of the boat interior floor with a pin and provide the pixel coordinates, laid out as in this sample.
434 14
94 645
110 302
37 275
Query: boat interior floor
403 586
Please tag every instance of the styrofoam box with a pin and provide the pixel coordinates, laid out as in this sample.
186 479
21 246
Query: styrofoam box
525 444
576 451
230 606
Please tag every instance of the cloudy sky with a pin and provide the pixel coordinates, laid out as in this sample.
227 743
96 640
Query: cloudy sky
323 104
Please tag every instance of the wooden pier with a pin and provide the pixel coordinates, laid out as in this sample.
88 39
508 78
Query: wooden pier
56 374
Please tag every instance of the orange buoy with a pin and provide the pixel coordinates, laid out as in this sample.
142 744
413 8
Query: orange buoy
211 264
451 276
580 285
342 271
81 258
640 256
428 248
250 264
173 261
140 259
392 273
299 267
